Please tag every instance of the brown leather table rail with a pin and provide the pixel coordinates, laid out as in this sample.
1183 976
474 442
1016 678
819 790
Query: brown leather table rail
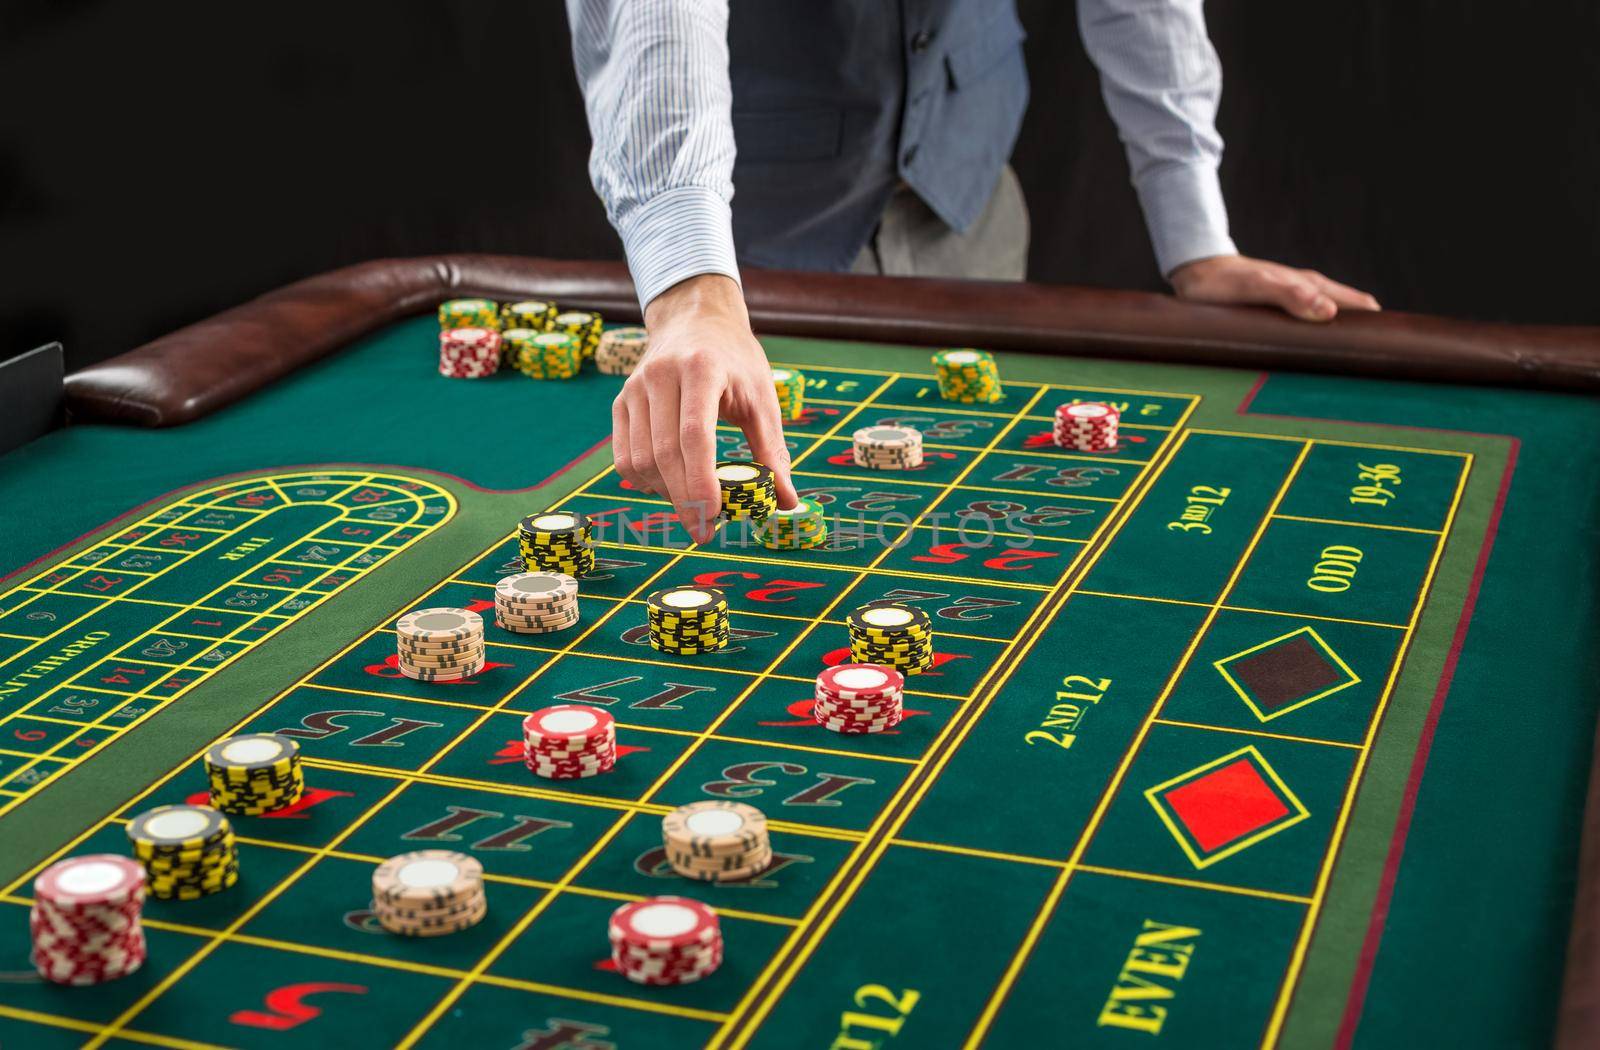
201 368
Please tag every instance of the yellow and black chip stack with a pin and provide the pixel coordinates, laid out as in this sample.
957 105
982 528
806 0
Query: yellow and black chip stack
791 387
469 313
899 636
188 852
688 621
801 528
254 773
533 313
748 491
557 541
581 325
542 355
968 376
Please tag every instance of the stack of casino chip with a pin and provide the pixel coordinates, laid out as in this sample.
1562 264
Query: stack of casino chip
254 773
800 528
469 353
535 314
569 741
791 387
968 376
468 313
85 919
620 350
898 636
557 541
688 621
716 841
542 355
536 602
888 448
429 893
665 940
859 698
1088 426
439 645
582 325
188 852
748 491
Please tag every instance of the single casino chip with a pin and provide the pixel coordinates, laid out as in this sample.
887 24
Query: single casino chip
714 828
525 588
888 438
661 924
688 602
92 882
432 625
861 681
569 724
426 878
250 755
890 621
174 829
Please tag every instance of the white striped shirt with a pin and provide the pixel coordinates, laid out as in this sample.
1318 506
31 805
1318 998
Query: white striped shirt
654 75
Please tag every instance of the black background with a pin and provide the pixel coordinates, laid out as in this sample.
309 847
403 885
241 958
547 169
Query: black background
162 161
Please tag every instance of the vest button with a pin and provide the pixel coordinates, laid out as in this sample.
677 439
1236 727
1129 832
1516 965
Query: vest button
909 157
920 42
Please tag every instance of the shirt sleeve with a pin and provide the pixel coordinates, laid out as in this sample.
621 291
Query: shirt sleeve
654 76
1162 82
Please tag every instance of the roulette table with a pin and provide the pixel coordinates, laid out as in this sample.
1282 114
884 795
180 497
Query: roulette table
1270 726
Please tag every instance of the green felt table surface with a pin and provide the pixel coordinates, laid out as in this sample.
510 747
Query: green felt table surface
1271 727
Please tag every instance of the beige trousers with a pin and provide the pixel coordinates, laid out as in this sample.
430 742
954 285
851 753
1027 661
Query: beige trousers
911 241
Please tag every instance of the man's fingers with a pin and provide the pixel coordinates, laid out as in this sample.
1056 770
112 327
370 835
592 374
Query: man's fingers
765 434
622 443
697 438
1295 294
640 446
664 447
1347 297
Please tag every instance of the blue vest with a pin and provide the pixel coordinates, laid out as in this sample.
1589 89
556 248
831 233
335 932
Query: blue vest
835 102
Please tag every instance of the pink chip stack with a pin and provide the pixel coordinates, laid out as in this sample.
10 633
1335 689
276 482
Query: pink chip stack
1088 426
859 698
665 940
469 353
569 741
85 919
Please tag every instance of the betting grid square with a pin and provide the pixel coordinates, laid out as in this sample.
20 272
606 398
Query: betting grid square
559 887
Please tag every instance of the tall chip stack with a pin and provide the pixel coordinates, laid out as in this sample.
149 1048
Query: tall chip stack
888 448
469 353
429 893
469 313
968 376
749 491
439 645
1086 426
534 314
188 852
85 919
688 621
898 636
542 355
569 742
859 698
665 940
621 350
557 541
254 773
536 602
717 840
802 527
583 326
791 387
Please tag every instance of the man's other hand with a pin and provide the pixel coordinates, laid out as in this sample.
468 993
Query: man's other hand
1239 279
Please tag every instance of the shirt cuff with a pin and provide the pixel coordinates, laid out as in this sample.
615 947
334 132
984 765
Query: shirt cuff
680 234
1185 213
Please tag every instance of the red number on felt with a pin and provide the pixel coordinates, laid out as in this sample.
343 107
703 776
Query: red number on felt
1015 561
287 1008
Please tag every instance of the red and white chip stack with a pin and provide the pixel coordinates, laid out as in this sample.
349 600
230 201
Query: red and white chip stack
1087 426
469 353
569 741
85 919
859 698
665 940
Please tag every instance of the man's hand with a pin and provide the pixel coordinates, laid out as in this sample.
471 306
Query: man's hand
1305 294
702 362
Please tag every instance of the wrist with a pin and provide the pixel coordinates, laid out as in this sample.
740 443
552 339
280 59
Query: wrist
702 296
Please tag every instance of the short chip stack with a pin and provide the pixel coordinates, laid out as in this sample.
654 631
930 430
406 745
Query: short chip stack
1088 426
85 919
688 621
859 698
888 448
968 376
569 741
429 893
557 541
468 313
439 645
469 353
748 491
582 325
717 841
188 852
898 636
800 528
254 773
791 387
536 602
620 350
533 313
542 355
665 940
